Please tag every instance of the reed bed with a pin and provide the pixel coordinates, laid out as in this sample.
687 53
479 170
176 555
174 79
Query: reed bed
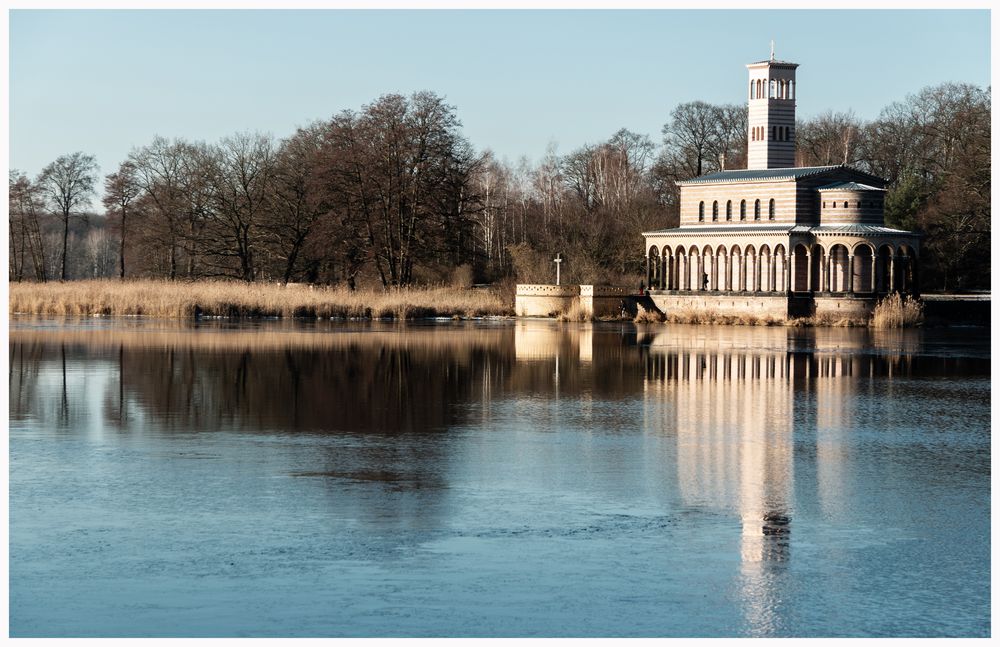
716 318
897 311
174 299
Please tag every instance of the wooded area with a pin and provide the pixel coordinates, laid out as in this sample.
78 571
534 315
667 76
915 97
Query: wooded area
394 195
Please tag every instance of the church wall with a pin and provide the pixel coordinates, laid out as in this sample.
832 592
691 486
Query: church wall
787 201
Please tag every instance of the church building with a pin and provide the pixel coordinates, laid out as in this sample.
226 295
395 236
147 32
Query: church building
776 239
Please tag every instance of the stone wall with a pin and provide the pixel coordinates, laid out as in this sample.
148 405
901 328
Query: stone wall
842 307
541 300
723 304
602 300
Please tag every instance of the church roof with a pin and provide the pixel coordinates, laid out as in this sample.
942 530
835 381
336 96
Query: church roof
848 186
759 229
772 61
861 230
772 175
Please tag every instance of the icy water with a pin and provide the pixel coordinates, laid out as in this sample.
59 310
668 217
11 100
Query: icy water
524 478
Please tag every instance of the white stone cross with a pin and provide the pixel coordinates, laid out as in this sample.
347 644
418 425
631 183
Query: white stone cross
557 260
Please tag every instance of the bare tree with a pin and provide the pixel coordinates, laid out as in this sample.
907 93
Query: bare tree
121 188
25 204
831 138
69 183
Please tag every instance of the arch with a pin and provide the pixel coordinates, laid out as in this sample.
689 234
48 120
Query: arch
906 268
756 209
883 260
839 277
780 269
770 209
800 271
681 263
715 211
818 254
749 268
694 269
701 211
758 88
791 89
743 210
864 267
721 268
751 88
708 268
735 264
652 267
729 210
764 278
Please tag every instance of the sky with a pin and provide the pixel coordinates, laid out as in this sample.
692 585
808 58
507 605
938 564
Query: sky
106 81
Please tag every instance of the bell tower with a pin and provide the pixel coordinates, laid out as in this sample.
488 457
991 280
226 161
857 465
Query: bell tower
771 120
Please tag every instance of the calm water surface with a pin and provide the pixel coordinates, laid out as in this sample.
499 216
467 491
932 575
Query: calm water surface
523 478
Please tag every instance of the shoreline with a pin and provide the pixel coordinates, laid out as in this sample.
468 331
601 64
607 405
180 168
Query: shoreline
222 300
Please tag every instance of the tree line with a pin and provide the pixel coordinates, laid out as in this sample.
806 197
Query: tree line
393 194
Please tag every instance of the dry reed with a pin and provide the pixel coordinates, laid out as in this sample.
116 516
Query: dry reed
897 311
175 299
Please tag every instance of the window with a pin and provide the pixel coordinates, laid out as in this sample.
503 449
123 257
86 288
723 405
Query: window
859 204
715 211
770 209
701 212
729 210
833 204
824 204
756 210
845 204
743 209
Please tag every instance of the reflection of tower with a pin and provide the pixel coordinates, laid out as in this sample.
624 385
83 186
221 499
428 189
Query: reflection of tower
734 407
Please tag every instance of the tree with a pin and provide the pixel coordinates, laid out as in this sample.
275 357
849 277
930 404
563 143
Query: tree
691 137
121 189
27 245
829 139
68 183
241 174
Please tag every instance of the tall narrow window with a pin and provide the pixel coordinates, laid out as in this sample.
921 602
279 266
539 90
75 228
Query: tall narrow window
729 210
701 212
845 204
756 210
770 209
715 211
743 209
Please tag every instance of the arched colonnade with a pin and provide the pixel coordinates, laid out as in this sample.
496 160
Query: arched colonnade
846 268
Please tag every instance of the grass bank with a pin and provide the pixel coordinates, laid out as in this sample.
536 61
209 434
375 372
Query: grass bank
175 299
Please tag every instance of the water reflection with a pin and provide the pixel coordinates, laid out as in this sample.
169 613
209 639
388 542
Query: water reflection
749 425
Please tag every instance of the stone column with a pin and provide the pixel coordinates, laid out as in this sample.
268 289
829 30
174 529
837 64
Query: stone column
648 268
892 273
874 256
809 271
850 273
787 268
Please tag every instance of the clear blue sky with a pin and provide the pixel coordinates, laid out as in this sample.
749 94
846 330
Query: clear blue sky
105 81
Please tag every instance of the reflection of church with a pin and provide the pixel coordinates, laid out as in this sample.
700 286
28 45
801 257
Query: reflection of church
775 238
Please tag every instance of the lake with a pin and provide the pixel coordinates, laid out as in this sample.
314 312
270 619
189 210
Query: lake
497 478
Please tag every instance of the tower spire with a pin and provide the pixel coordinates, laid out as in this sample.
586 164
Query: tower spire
772 49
